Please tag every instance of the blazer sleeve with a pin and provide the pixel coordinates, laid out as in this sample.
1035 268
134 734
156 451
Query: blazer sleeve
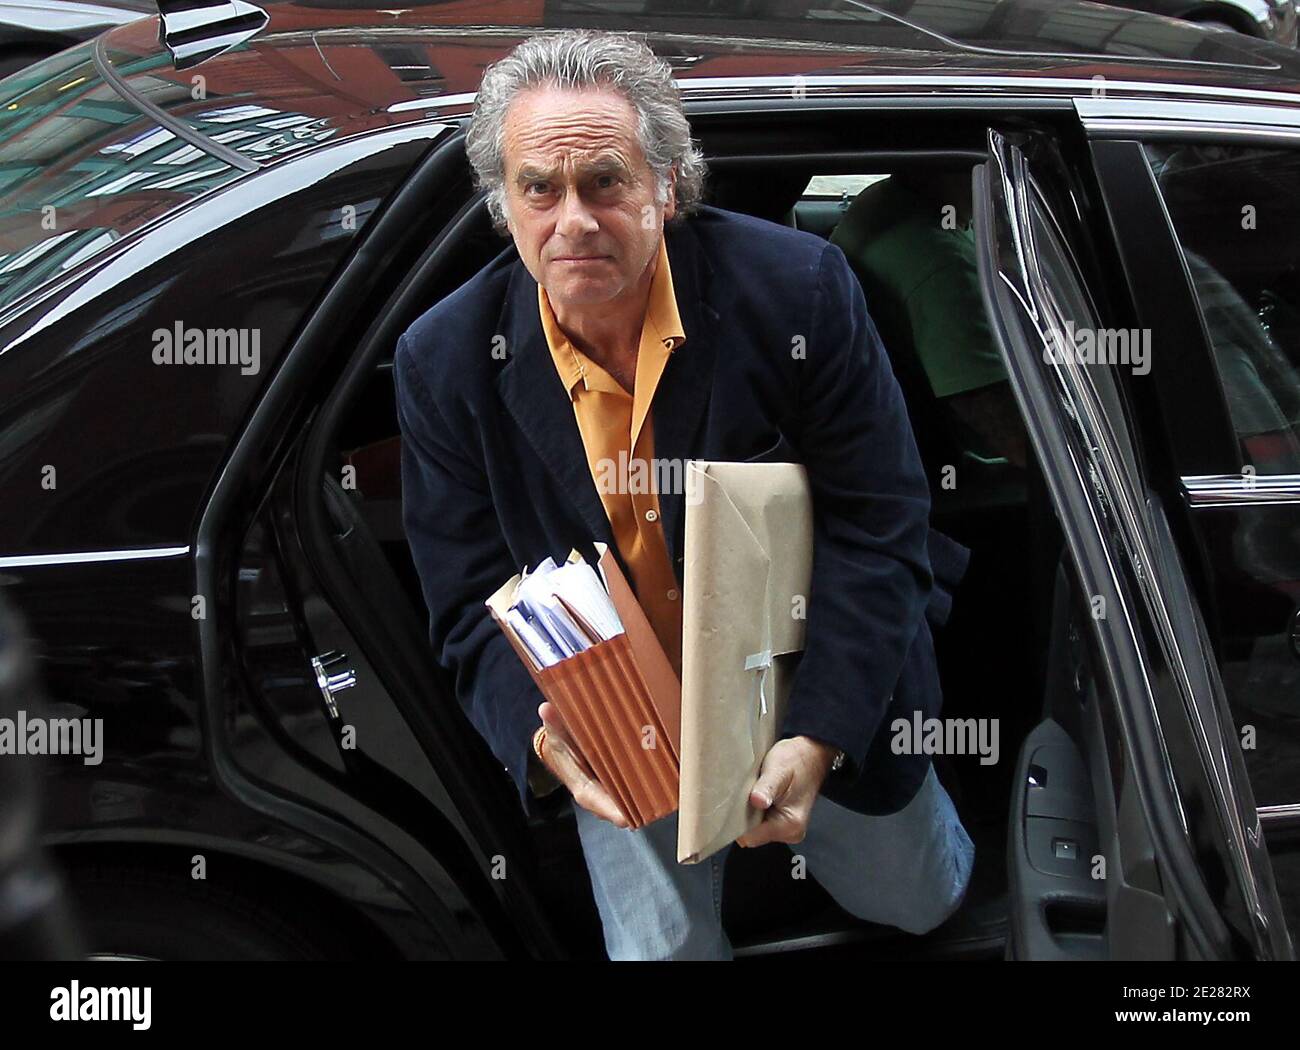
871 576
461 558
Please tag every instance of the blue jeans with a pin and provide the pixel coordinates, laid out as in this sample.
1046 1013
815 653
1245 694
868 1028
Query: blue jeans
907 869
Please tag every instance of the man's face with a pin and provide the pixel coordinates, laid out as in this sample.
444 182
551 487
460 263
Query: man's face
578 185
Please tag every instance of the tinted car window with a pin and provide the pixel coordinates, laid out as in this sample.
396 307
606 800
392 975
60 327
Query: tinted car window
1234 208
81 167
1236 213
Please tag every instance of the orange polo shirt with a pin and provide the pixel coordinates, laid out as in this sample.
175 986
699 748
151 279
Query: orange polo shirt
618 433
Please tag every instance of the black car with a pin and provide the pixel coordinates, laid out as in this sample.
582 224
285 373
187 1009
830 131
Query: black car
207 548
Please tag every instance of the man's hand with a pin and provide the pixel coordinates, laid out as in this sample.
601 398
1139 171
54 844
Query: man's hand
561 757
788 782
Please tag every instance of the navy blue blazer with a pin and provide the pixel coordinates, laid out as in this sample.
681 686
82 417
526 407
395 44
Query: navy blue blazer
781 363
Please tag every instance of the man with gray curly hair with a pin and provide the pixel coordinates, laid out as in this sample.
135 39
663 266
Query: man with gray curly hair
631 323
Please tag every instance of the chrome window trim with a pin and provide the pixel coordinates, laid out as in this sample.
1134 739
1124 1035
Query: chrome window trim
1155 119
787 100
956 90
1232 490
1084 89
1158 130
24 561
1283 816
1106 109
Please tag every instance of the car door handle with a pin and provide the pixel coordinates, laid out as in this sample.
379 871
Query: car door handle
332 677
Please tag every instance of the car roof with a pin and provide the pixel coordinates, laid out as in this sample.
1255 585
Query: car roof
351 66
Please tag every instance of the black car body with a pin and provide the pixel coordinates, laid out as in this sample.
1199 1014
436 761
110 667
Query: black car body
210 557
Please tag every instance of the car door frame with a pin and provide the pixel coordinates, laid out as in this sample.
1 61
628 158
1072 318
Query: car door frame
1206 458
1121 547
427 882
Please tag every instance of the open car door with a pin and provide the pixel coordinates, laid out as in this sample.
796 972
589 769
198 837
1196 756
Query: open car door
1134 831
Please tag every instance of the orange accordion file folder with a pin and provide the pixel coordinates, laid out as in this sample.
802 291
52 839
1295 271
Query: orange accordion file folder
589 647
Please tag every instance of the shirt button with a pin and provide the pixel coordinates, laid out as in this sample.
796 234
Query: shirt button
672 596
652 515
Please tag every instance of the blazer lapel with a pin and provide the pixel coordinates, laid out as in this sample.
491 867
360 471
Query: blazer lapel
533 393
535 396
685 389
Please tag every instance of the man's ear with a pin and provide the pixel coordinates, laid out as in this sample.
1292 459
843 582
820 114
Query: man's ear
505 212
670 208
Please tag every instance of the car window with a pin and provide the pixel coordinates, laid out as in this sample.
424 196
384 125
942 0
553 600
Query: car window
1235 212
1060 270
833 187
81 167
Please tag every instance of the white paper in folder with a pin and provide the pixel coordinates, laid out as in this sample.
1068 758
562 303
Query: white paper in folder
748 566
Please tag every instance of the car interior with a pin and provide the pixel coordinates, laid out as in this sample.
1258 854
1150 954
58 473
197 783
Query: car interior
994 652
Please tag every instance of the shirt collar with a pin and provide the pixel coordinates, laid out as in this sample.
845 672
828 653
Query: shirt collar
661 311
662 318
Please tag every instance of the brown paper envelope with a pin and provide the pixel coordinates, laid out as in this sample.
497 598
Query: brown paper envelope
748 555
